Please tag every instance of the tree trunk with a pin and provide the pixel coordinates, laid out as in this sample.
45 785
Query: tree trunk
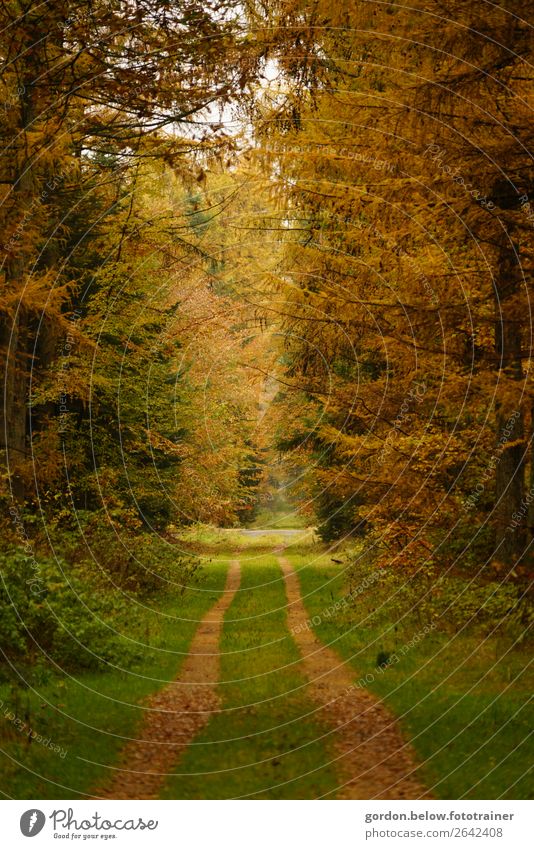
13 342
15 336
529 554
509 513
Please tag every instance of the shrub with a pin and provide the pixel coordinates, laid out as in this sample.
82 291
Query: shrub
49 609
432 596
132 558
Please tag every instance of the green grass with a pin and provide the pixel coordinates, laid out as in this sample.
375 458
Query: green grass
264 745
286 518
217 542
464 701
89 715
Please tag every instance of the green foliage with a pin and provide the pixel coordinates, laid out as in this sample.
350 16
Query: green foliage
336 517
98 709
66 615
76 610
451 603
127 556
250 477
492 605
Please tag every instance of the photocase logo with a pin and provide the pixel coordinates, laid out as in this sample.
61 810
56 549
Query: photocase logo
31 822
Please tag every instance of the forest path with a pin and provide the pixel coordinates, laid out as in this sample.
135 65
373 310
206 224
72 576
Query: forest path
374 761
176 714
355 736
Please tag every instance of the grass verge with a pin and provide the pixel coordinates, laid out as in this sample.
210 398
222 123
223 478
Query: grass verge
465 701
82 721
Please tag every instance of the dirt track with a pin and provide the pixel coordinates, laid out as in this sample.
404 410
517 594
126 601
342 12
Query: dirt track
176 714
374 760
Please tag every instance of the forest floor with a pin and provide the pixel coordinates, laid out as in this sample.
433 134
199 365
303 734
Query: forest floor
251 690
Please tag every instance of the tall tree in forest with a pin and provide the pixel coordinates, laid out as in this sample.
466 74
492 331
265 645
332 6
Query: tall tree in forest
88 89
158 397
409 270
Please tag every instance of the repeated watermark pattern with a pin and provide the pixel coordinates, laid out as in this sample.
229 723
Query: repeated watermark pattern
527 209
507 432
391 659
415 395
67 350
13 98
519 515
35 583
342 604
50 187
368 157
437 154
30 733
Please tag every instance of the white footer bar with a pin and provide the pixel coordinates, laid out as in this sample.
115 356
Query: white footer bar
270 824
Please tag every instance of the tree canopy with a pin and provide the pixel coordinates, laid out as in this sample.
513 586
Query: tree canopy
285 244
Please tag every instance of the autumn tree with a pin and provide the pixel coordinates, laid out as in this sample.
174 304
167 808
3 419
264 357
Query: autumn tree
405 177
88 90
